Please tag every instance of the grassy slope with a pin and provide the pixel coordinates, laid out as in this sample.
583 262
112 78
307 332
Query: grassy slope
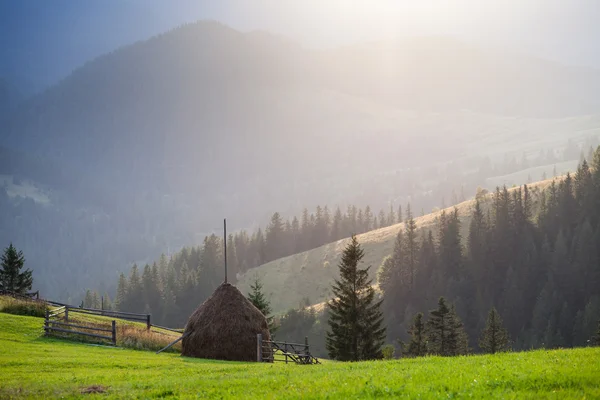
37 367
309 274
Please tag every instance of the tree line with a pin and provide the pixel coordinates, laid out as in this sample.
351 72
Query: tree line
541 273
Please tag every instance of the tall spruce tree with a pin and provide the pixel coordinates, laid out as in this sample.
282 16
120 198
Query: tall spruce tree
494 337
417 347
11 277
357 330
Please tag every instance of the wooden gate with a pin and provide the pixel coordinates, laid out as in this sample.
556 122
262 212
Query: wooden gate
272 351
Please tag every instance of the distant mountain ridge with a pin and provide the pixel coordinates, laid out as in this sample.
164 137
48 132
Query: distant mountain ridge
172 133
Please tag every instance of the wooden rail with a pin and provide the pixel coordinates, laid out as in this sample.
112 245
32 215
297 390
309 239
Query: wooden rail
267 350
51 326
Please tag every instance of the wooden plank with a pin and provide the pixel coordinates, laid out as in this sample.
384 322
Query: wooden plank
169 329
80 326
109 314
171 344
78 333
110 311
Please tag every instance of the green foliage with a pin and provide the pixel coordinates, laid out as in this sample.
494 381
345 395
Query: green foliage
11 279
126 373
355 321
417 347
445 332
387 351
257 297
494 337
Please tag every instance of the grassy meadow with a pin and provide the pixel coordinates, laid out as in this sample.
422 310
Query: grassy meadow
33 366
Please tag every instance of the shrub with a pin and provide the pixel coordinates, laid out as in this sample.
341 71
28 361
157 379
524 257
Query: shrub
31 308
388 351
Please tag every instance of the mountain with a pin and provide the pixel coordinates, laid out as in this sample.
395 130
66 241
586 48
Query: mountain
157 141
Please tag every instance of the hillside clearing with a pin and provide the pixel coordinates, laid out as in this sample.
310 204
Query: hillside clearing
289 281
37 367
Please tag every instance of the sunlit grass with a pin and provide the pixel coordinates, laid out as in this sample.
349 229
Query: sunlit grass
36 367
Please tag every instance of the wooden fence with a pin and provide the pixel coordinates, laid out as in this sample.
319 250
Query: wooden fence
67 309
272 351
55 325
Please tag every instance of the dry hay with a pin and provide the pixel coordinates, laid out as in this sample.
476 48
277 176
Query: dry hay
224 327
93 389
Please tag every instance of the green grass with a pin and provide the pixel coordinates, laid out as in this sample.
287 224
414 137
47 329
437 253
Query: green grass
36 367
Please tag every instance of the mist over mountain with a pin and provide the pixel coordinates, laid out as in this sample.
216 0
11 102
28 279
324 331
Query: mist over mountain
149 146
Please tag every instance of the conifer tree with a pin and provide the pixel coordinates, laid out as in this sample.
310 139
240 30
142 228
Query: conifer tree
382 219
121 298
274 238
445 331
417 347
11 279
357 331
494 337
258 298
411 246
336 226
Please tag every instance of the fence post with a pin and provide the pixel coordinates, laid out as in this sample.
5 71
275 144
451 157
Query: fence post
46 324
148 321
285 351
114 332
67 314
259 347
306 344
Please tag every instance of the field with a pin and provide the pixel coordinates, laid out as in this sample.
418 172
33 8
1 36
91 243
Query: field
36 367
287 281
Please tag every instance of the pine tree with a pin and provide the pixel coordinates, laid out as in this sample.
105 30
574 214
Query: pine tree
12 261
257 297
411 246
274 238
357 331
121 299
445 331
494 337
417 347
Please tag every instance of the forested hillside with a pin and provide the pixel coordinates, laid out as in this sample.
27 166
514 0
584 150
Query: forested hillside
144 150
531 252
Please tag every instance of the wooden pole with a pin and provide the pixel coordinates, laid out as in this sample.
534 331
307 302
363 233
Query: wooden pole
114 332
66 313
259 347
285 351
225 245
46 322
172 343
148 325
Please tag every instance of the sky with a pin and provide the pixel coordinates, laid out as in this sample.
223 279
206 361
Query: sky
41 41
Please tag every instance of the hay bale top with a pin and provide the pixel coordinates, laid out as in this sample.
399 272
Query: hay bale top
224 327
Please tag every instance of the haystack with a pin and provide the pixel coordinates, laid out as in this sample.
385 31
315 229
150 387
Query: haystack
224 327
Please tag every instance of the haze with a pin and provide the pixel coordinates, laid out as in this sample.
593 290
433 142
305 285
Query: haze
43 42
